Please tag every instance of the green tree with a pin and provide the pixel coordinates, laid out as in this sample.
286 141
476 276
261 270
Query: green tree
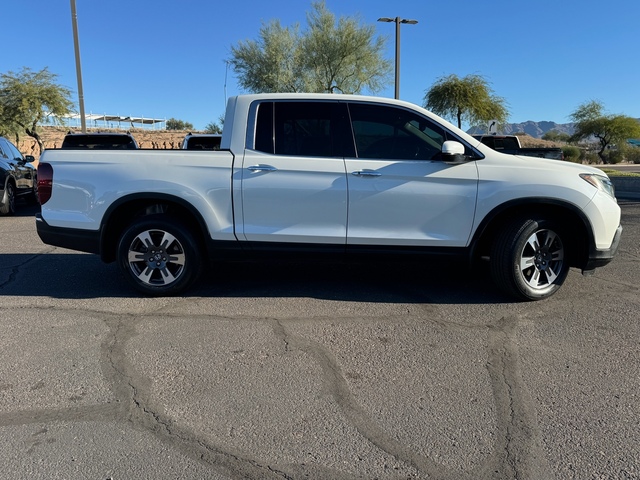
591 122
175 124
215 127
555 136
272 63
468 99
329 56
344 57
27 98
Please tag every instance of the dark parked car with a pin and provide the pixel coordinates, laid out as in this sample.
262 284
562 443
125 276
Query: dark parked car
17 177
99 141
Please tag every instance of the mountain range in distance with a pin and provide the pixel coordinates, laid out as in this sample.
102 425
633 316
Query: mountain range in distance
531 128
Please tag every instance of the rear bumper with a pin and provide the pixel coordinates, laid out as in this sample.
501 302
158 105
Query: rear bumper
599 258
72 238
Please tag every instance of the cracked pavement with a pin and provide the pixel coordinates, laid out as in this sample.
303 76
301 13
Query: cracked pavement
314 371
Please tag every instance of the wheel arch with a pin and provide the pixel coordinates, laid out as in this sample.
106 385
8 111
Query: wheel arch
571 219
121 213
8 179
4 198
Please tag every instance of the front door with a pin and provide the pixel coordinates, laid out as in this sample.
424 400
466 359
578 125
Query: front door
400 190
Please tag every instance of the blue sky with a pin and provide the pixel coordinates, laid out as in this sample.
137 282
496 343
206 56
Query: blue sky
164 59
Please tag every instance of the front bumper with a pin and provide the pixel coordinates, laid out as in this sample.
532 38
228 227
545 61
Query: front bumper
599 258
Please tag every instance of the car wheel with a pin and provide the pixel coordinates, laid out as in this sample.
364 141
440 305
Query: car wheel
9 206
528 259
159 256
33 198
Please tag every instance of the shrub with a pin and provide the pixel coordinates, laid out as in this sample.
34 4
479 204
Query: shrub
633 155
615 155
571 153
175 124
591 158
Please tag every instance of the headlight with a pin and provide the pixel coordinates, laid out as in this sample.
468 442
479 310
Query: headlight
601 182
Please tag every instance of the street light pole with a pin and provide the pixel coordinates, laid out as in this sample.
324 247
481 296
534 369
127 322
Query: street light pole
74 21
397 21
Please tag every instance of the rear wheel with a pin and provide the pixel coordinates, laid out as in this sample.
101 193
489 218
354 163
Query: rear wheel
528 259
159 256
9 206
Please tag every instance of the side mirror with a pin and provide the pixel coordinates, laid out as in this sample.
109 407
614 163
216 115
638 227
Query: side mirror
453 152
29 158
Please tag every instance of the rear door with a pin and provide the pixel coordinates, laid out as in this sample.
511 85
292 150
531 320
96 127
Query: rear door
293 180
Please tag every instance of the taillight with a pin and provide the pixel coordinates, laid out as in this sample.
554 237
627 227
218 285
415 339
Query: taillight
45 182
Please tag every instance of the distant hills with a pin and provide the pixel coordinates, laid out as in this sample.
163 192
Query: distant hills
533 129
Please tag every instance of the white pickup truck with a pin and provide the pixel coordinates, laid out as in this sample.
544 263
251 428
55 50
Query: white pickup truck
320 173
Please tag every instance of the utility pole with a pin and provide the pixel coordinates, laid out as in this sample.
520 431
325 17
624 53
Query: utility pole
74 21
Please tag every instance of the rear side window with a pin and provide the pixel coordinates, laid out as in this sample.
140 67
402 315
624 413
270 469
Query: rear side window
314 129
387 132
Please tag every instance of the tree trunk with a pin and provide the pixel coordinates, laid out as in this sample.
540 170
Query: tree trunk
34 134
602 155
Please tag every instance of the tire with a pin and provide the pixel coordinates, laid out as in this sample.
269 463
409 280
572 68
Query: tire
159 256
33 198
528 259
9 206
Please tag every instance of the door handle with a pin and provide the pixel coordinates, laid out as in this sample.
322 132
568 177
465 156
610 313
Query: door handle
262 168
366 173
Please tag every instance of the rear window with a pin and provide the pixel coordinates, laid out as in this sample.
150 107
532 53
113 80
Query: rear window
203 143
101 142
501 143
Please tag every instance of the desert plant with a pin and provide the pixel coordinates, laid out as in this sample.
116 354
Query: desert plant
555 136
468 99
26 98
571 153
591 158
633 155
614 155
332 55
590 121
175 124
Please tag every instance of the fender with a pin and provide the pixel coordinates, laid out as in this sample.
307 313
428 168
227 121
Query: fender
532 204
122 211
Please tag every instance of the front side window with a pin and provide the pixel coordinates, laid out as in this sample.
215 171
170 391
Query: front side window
14 152
3 147
314 129
387 132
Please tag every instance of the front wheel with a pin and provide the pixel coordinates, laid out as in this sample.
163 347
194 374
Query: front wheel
528 259
159 256
9 207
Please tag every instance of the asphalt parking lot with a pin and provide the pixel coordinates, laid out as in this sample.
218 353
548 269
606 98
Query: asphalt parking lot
321 372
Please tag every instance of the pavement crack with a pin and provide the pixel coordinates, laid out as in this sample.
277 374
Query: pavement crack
134 393
518 454
336 383
15 270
